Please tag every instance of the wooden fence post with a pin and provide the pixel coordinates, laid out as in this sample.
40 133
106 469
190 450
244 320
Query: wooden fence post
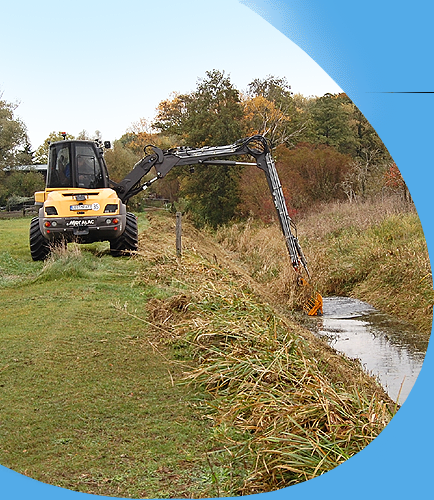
178 233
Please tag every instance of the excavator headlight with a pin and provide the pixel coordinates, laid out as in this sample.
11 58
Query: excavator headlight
51 210
111 208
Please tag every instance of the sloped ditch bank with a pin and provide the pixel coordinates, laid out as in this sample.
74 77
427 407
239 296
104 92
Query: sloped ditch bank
389 349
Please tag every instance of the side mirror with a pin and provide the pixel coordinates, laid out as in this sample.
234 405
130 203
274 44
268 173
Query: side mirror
107 144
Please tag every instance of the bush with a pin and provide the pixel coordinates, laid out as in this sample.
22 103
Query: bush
18 185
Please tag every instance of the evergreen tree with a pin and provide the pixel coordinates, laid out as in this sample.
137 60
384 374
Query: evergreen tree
330 123
13 136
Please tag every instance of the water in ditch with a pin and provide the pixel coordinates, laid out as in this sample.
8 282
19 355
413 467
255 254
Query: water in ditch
389 349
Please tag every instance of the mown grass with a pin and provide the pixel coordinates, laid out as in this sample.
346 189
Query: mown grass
87 401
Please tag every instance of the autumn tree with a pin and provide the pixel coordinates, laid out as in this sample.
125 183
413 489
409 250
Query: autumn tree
139 135
269 110
309 175
365 176
394 182
172 116
321 170
312 173
264 118
210 115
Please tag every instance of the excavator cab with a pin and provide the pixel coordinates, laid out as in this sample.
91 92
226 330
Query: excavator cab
76 164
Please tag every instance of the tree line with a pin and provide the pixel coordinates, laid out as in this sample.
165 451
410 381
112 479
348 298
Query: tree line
324 148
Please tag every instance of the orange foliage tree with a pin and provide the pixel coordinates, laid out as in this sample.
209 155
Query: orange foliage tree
309 174
394 181
393 178
263 117
139 135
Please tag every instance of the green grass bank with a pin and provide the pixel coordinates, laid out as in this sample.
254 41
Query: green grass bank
88 402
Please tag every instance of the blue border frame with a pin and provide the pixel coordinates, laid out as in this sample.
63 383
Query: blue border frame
380 53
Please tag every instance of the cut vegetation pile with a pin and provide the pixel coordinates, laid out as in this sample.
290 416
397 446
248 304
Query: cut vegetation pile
286 408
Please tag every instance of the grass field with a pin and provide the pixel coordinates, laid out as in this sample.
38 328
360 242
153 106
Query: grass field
154 376
88 402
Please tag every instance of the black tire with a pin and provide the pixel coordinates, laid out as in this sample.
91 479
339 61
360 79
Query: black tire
128 242
39 246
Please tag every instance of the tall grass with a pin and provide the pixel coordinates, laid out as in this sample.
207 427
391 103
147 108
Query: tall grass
67 262
278 410
373 251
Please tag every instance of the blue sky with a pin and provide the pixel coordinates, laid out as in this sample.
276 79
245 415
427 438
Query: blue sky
102 65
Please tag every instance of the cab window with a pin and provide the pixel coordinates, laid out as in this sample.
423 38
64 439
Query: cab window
89 173
59 171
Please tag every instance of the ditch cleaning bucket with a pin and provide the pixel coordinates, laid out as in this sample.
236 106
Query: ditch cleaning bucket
313 306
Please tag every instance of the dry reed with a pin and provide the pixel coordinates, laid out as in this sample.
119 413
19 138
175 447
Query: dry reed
294 423
373 251
285 410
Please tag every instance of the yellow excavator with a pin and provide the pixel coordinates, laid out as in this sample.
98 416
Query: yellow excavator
81 203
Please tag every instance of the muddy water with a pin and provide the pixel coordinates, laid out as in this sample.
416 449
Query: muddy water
388 349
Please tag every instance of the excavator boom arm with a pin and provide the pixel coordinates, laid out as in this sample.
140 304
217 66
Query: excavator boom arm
256 146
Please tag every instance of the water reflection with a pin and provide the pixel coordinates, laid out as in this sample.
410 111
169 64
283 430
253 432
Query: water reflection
389 349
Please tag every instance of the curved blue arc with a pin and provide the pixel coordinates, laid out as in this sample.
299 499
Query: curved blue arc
370 49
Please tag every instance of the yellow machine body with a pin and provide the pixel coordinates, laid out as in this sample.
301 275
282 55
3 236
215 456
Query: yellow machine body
86 215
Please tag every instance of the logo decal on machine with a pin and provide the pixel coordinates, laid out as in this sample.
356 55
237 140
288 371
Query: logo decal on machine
80 223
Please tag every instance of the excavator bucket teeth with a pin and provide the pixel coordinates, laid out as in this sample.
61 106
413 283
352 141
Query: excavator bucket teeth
313 306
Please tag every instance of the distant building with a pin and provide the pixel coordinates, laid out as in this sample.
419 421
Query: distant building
28 168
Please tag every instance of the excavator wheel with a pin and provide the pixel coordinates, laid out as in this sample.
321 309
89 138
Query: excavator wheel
39 246
128 242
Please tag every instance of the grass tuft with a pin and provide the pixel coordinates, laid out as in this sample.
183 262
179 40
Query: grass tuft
67 262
